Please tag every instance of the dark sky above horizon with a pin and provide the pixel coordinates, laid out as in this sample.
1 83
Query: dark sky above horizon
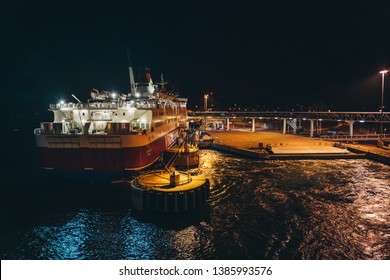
251 53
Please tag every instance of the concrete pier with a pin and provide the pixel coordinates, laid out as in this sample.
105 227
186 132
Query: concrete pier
287 146
371 152
280 143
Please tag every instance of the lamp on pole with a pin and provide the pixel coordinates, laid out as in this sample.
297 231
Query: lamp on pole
383 72
205 101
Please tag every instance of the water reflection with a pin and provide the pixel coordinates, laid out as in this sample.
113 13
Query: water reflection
307 209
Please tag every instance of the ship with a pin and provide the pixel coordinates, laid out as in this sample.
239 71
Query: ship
113 132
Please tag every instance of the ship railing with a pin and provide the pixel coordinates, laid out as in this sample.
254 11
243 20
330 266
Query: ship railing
146 106
69 105
110 105
39 131
104 105
121 104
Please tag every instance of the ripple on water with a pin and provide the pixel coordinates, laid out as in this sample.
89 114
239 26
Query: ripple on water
303 209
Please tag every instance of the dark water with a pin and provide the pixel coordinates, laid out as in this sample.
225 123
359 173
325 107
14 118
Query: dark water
306 209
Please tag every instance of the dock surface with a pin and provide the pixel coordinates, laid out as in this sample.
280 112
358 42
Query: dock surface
280 143
289 146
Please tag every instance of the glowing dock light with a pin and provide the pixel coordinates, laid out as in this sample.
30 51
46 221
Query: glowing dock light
383 72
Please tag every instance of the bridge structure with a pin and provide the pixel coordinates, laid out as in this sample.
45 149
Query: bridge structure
294 119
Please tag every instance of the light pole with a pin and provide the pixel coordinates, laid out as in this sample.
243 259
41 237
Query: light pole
383 72
205 101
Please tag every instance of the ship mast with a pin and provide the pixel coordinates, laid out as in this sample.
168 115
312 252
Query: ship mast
162 83
131 74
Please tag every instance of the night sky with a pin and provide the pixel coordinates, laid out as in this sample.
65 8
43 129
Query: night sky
256 54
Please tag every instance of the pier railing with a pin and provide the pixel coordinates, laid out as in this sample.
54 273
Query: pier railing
357 137
334 116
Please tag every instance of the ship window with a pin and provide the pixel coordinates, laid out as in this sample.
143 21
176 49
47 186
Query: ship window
83 114
124 114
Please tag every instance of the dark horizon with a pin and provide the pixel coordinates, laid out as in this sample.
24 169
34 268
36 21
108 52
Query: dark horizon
264 56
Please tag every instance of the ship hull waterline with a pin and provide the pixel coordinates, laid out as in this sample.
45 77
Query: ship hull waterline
116 159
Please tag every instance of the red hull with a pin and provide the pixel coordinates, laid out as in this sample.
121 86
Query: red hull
103 159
